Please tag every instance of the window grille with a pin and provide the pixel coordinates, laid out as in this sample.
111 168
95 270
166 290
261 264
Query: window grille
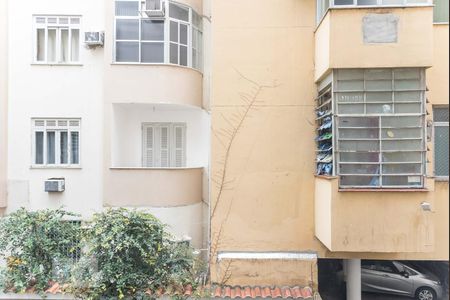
441 141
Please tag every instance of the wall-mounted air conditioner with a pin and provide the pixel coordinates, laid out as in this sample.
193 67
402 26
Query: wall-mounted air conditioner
55 185
94 38
153 8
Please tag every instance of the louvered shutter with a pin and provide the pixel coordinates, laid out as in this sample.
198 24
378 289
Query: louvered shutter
148 146
164 146
179 143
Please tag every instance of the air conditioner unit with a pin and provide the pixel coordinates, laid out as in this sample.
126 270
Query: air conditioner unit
55 185
94 38
154 8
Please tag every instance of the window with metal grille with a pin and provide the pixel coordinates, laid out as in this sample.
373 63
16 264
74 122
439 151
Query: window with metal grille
379 136
441 140
164 145
56 142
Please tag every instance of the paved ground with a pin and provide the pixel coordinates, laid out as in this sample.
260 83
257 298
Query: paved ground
370 296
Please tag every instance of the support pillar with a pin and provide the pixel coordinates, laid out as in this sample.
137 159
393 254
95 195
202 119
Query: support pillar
353 275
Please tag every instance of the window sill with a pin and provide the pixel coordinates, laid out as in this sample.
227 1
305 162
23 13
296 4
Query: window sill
149 169
440 23
441 179
57 64
328 177
381 6
154 65
55 167
381 190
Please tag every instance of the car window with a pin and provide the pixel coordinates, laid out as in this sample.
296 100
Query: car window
385 266
402 268
368 265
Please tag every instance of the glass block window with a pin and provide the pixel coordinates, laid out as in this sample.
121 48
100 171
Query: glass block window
380 127
441 140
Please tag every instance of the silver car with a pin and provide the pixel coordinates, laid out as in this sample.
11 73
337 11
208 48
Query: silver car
393 277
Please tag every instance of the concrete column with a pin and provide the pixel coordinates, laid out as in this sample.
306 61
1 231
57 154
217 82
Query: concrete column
353 275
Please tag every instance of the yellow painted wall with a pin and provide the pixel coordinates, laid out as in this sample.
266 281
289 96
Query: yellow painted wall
347 48
3 99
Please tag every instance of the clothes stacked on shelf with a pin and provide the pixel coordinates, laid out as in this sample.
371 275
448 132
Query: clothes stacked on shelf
324 139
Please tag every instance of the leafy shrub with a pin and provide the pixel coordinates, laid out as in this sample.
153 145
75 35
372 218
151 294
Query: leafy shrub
38 248
128 254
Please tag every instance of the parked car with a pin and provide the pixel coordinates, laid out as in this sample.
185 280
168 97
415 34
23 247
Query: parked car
396 278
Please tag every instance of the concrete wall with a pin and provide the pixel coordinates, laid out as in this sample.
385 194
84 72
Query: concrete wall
414 46
3 98
53 91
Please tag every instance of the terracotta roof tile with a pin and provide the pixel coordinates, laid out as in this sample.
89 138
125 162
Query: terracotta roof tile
237 292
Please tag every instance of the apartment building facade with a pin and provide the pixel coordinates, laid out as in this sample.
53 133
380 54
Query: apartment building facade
269 133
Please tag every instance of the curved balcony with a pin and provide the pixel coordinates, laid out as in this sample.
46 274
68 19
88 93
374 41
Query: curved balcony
149 84
153 187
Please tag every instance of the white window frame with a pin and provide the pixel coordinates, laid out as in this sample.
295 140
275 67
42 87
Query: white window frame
336 140
74 23
405 3
57 129
167 19
438 124
171 144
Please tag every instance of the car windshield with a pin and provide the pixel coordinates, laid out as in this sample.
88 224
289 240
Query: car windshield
402 268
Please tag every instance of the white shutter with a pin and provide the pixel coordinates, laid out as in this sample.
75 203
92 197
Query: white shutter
164 146
148 146
179 143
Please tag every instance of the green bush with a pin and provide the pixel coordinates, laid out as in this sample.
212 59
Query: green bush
129 253
38 248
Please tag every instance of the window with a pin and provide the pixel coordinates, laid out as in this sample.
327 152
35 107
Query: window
337 3
441 140
164 145
175 38
441 11
57 39
376 128
56 142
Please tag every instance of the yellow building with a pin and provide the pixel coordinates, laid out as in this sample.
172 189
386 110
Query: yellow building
325 118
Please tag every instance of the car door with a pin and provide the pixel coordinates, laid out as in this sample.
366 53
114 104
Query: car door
371 279
392 281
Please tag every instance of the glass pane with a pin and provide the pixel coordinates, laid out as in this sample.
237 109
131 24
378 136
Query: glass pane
402 133
74 20
379 85
183 56
402 180
407 96
408 108
183 34
351 108
441 11
441 151
402 169
152 52
178 12
174 31
407 84
75 45
392 2
75 148
440 114
367 2
416 1
51 143
39 151
348 74
402 156
359 157
152 30
127 8
379 108
349 97
350 85
64 147
196 19
378 74
402 145
379 97
127 51
370 133
63 21
64 45
51 45
359 169
173 53
40 46
127 29
401 121
360 180
407 73
359 145
358 122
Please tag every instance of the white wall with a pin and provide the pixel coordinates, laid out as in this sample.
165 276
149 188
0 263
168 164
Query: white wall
54 91
127 132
